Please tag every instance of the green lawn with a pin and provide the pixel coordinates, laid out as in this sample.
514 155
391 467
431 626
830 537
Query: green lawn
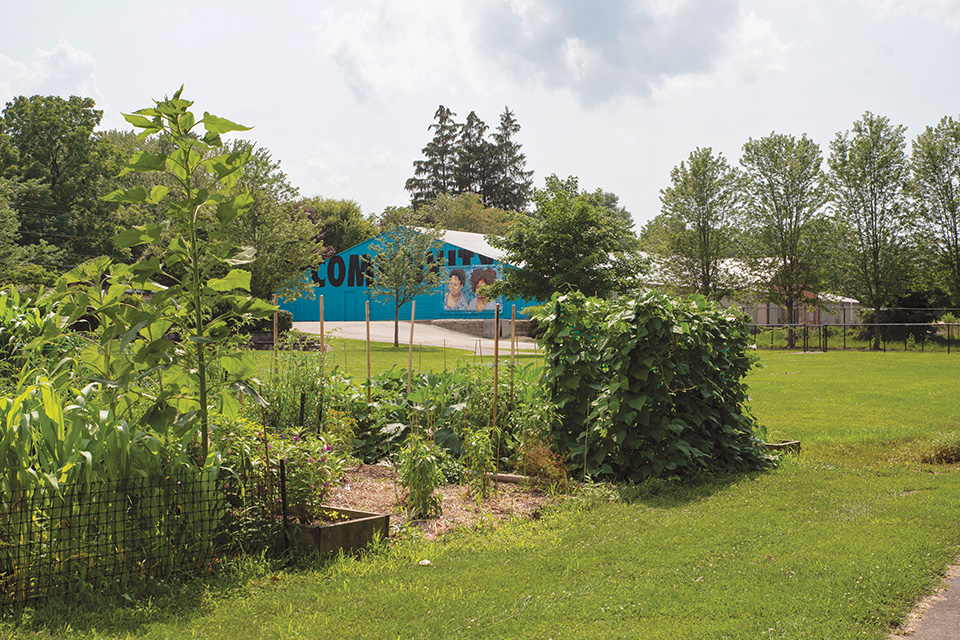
350 356
838 542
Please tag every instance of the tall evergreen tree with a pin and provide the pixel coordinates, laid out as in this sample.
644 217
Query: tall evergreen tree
512 185
474 170
436 173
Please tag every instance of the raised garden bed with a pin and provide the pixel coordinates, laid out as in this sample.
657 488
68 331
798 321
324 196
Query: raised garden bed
350 531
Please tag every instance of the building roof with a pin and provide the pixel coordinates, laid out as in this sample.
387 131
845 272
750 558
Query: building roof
475 242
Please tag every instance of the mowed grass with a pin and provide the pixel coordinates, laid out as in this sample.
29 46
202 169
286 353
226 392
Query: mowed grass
838 542
350 357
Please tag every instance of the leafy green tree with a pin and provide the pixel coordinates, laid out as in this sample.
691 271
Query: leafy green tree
9 250
572 242
283 237
52 141
407 262
436 173
340 223
868 180
466 212
693 237
785 192
936 191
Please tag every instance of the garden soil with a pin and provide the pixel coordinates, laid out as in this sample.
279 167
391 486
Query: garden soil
375 488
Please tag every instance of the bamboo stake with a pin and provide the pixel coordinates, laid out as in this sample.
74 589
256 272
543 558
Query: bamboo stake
496 385
413 311
322 338
368 352
275 321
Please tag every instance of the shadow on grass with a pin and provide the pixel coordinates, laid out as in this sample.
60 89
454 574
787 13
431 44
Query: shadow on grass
112 610
677 492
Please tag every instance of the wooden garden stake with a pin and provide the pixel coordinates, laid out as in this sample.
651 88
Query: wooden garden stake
321 325
368 352
496 384
413 311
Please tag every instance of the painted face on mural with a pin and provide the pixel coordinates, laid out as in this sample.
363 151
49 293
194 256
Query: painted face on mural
455 300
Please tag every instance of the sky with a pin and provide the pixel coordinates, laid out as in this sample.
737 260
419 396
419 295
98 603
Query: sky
615 92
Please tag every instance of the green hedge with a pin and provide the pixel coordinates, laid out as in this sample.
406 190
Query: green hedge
650 386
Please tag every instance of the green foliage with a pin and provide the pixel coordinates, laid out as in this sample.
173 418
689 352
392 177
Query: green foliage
785 192
407 263
479 459
23 324
54 147
694 234
466 212
340 223
170 355
868 180
462 158
650 386
572 242
285 241
935 187
420 475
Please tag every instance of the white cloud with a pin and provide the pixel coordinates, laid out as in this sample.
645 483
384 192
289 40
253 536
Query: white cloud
63 71
383 48
943 12
601 52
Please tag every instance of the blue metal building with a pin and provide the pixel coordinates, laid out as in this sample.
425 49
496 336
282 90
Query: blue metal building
342 281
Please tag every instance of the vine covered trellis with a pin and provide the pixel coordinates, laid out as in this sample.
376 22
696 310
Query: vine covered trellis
650 385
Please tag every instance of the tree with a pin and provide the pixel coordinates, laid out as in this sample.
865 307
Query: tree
406 263
693 236
473 172
572 242
9 251
340 223
53 142
867 181
785 191
512 183
936 191
285 240
462 158
466 212
436 173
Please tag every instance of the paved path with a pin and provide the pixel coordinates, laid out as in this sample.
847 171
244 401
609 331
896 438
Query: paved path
424 334
937 617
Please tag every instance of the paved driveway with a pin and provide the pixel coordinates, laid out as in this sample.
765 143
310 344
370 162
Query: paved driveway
425 334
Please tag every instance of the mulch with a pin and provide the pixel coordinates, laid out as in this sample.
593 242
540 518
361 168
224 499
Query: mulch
375 488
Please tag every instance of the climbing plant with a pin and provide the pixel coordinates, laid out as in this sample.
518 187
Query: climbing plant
650 386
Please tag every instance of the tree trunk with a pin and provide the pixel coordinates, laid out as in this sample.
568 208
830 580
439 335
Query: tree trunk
396 327
791 338
876 328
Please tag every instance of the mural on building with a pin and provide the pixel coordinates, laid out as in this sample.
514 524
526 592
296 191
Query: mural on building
343 280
